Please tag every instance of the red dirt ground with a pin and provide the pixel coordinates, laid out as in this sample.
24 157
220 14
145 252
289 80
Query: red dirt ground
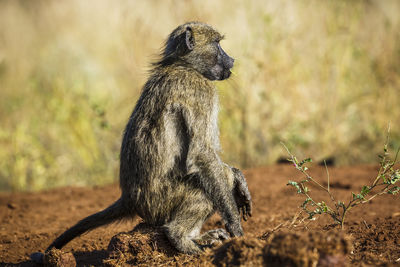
30 221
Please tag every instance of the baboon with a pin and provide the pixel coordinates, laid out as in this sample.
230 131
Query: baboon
171 174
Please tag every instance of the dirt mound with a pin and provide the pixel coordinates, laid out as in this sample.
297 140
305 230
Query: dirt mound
307 249
143 245
57 258
239 252
147 245
285 248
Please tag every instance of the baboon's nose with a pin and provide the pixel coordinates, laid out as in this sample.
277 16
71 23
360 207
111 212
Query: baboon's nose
229 63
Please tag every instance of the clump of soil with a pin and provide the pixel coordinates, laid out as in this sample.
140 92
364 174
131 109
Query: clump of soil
142 245
57 258
147 245
241 251
307 249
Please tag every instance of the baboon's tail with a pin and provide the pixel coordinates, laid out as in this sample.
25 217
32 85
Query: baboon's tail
114 212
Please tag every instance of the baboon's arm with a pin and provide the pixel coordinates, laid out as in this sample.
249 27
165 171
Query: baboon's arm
204 160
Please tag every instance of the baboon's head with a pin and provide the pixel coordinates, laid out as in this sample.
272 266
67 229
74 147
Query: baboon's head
197 45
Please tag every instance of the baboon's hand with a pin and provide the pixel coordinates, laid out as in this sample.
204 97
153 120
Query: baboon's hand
234 229
241 194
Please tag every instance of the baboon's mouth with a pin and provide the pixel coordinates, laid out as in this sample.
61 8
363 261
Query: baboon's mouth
226 74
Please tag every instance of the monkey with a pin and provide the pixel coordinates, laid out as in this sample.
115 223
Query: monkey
171 174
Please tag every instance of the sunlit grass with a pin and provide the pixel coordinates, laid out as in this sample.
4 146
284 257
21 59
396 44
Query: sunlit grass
322 76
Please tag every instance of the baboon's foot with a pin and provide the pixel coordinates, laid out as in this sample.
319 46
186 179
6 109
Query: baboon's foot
182 241
188 246
213 237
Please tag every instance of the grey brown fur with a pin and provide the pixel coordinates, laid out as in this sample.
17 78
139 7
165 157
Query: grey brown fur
170 173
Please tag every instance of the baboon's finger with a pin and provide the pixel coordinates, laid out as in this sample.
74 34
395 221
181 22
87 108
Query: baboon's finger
250 209
244 213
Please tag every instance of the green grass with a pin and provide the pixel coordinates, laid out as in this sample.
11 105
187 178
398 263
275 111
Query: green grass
322 76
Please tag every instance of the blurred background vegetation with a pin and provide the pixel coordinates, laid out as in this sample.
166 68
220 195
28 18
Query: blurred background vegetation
322 76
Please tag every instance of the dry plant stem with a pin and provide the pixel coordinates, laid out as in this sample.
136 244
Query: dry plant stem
309 176
327 173
384 169
334 214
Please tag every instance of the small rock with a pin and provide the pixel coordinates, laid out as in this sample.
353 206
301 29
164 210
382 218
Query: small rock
57 258
11 206
396 214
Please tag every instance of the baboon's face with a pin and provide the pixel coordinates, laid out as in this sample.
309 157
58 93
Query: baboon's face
220 67
209 57
201 49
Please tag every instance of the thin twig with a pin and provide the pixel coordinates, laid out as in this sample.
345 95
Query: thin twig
295 217
327 172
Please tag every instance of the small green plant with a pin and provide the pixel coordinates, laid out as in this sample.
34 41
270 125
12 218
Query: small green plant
386 182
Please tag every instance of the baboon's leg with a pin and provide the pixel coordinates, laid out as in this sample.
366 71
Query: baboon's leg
184 228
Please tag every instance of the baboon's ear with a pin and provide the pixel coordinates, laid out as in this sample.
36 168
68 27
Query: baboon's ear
189 38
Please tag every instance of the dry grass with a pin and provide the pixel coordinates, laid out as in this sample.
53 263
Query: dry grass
323 76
